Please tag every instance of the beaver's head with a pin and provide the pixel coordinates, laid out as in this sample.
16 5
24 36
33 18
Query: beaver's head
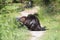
22 19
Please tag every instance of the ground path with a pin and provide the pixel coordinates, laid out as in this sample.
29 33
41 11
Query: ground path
26 12
37 34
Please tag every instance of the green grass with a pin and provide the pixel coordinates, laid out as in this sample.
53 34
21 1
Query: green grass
51 35
9 26
52 23
9 29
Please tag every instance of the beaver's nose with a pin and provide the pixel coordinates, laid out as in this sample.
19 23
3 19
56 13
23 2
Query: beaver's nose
18 18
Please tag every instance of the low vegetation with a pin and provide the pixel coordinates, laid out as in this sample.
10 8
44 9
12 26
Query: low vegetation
49 16
52 23
9 29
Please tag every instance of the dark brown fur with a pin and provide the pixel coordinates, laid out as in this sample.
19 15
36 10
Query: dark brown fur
31 22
